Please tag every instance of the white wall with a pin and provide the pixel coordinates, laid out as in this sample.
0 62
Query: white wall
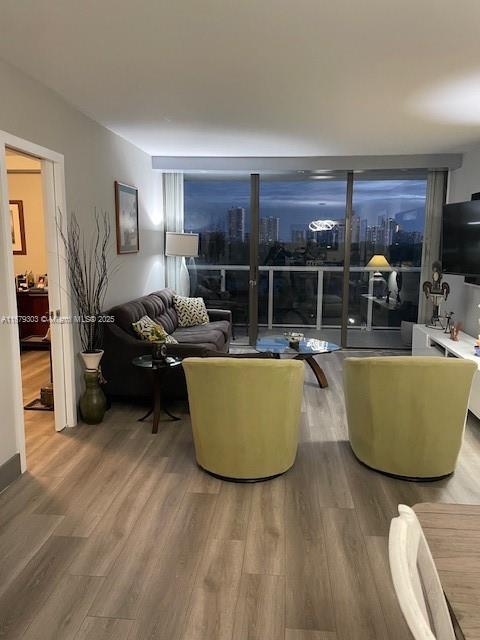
464 182
94 159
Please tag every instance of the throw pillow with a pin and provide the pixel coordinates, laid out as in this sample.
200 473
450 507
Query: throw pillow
150 330
190 311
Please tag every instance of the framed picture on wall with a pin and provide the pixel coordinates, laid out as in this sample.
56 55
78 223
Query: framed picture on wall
18 228
126 211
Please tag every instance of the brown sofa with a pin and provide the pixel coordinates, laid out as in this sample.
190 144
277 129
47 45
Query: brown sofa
121 344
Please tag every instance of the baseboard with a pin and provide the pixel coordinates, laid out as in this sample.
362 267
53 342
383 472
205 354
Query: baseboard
10 471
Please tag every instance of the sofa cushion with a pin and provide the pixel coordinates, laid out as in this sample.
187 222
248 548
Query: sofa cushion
220 325
213 335
148 329
191 312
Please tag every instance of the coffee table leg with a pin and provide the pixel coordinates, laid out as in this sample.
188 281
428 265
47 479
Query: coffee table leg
318 372
157 402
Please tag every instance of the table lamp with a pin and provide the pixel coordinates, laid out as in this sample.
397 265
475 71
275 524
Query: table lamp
378 262
378 282
182 245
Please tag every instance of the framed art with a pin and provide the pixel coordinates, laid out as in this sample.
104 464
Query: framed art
18 228
126 212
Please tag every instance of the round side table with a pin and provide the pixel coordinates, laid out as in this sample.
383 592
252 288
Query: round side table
159 369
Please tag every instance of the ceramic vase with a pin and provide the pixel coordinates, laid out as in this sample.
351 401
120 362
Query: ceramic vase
92 360
93 403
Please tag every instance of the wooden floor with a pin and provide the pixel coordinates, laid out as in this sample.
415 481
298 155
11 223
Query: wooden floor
115 534
39 425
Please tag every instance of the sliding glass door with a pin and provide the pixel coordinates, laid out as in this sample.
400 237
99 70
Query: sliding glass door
301 253
387 231
334 255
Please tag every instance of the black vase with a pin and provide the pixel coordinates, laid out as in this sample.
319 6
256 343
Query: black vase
159 352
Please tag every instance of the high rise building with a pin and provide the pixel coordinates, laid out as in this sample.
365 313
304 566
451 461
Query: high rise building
363 229
372 234
298 233
355 228
339 238
269 229
236 224
389 230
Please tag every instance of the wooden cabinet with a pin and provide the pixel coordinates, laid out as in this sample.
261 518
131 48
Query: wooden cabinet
32 313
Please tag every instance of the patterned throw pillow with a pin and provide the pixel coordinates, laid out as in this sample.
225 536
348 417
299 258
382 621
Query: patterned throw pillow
150 330
190 311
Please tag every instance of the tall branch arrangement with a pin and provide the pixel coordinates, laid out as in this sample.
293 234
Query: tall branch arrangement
89 267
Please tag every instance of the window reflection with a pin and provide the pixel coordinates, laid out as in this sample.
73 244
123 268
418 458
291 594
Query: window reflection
288 209
218 210
388 219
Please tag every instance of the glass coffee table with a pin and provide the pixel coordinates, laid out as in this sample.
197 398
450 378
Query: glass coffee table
159 370
305 349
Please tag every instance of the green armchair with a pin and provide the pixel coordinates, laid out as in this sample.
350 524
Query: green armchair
406 415
245 415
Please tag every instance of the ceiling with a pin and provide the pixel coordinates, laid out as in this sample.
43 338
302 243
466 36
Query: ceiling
260 77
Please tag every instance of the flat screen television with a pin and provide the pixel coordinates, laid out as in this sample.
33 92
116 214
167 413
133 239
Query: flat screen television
461 238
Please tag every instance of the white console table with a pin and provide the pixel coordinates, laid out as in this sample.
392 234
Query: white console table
434 342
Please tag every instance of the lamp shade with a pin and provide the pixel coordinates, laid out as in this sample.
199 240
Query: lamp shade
181 244
378 262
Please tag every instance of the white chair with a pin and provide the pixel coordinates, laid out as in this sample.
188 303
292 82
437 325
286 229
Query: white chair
415 578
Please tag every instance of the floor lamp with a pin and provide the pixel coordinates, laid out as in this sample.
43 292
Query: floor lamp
181 245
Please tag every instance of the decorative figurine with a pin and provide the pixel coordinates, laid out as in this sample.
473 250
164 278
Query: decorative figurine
449 321
436 291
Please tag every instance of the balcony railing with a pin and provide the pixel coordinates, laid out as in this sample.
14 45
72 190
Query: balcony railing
361 288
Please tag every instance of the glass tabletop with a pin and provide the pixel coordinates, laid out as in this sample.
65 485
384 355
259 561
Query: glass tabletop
146 362
306 346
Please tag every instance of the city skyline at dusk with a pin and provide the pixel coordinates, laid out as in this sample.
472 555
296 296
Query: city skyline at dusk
297 203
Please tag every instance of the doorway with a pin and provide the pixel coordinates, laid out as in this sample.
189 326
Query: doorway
36 337
26 203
